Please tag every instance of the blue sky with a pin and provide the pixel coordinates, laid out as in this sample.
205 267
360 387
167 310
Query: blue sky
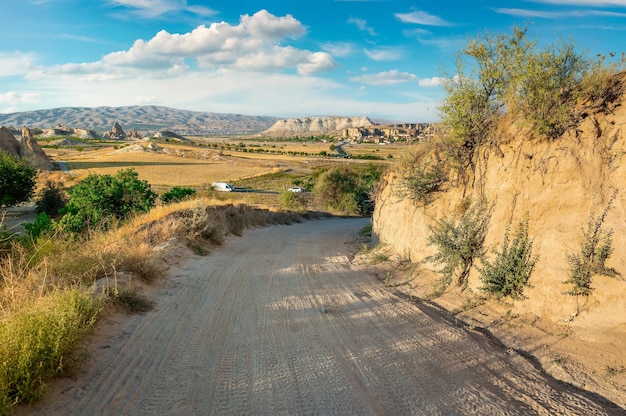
287 58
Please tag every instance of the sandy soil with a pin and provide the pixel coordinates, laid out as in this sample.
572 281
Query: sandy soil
279 322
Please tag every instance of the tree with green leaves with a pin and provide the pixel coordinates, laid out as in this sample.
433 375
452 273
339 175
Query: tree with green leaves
98 200
17 180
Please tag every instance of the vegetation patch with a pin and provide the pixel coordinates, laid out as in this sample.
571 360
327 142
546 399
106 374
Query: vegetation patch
459 241
595 249
509 272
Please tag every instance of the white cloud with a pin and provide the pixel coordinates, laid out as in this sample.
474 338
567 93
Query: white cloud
383 54
557 14
12 97
421 18
253 44
385 78
431 82
362 25
16 63
155 8
338 49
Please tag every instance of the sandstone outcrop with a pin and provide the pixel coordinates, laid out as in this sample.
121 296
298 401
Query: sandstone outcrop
315 125
26 148
8 142
116 132
32 152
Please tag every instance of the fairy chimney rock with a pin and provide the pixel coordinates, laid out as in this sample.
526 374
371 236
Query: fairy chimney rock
32 152
117 132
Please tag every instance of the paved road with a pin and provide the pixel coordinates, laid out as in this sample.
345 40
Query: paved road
278 322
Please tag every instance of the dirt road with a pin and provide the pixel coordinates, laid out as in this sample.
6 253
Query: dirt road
277 322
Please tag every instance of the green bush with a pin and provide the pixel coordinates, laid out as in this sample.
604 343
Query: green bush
293 201
17 180
42 225
423 181
347 190
459 241
177 194
511 269
595 249
100 200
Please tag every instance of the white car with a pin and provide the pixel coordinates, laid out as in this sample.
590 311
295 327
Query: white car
296 189
222 186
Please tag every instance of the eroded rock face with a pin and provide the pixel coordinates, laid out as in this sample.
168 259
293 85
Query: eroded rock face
8 142
32 152
316 125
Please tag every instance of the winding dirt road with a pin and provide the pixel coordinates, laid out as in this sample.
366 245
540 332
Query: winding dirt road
278 322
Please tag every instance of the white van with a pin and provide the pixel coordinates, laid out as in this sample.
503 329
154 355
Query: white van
222 186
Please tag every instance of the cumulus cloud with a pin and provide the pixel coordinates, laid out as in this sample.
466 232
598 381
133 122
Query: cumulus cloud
385 78
421 18
253 44
431 82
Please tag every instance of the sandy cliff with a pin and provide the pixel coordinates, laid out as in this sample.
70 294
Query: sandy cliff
557 185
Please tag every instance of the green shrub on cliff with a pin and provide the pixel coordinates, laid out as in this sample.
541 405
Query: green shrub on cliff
508 274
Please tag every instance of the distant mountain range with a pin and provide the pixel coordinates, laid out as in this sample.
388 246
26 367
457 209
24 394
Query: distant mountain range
144 119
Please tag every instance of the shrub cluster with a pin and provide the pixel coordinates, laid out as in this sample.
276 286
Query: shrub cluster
17 180
595 249
509 273
459 242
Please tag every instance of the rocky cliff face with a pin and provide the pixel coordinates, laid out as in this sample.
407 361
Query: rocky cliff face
315 125
556 185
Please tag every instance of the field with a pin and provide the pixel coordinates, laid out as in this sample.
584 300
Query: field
246 163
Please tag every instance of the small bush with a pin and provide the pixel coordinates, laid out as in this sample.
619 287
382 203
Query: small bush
177 194
51 198
132 300
293 201
424 181
511 269
459 241
42 225
595 249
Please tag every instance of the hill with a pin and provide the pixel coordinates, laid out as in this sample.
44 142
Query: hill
141 118
555 185
315 125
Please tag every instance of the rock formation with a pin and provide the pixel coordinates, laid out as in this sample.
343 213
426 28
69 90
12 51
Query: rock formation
116 132
315 125
32 152
27 149
8 142
169 135
134 134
